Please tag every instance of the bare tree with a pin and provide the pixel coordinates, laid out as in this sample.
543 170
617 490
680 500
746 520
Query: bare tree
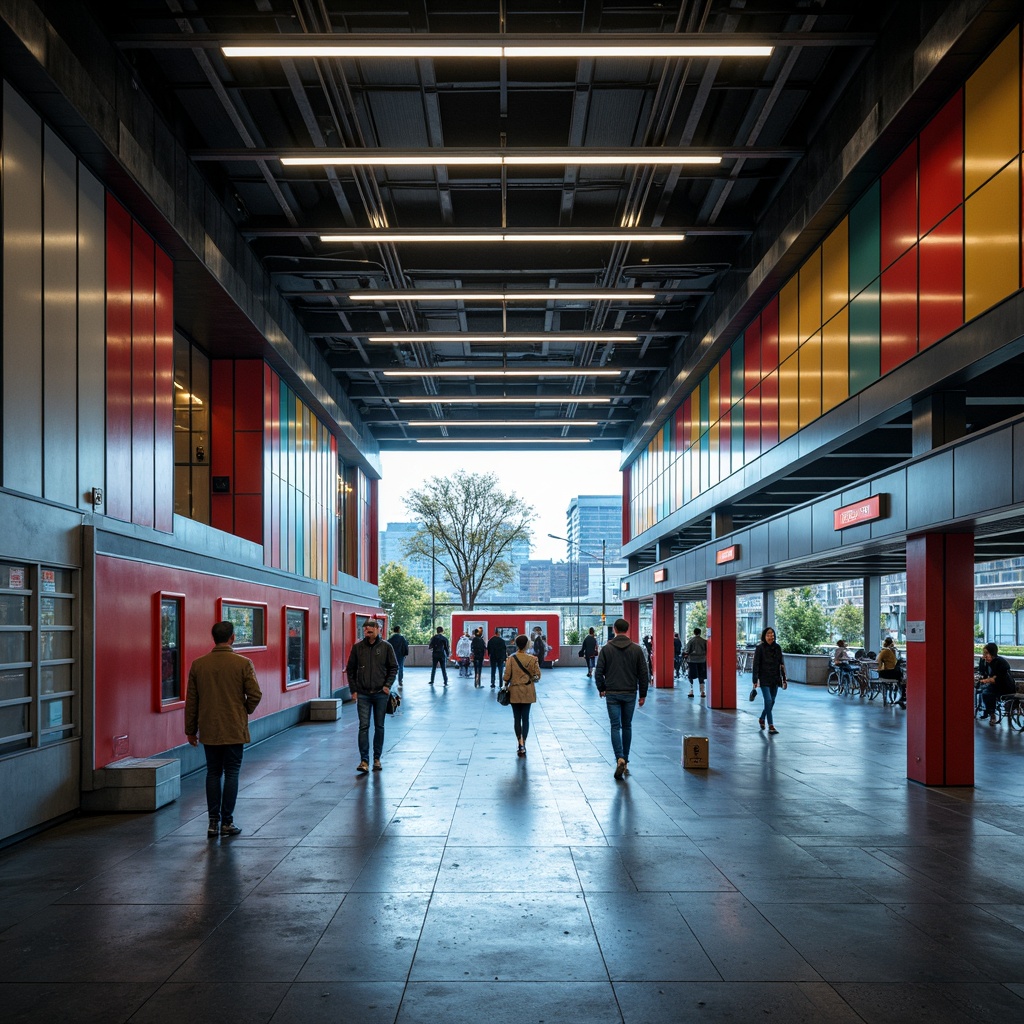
469 526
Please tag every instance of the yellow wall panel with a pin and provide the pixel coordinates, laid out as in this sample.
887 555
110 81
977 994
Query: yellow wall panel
835 361
835 271
714 412
810 296
789 396
810 380
992 114
789 319
992 242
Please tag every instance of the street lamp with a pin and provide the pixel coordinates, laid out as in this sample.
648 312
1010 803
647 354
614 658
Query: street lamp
570 543
589 554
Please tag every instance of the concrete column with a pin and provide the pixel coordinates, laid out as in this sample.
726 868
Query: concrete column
873 613
664 626
722 644
940 700
767 611
721 524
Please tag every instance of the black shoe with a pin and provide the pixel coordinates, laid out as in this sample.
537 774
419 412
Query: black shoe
214 830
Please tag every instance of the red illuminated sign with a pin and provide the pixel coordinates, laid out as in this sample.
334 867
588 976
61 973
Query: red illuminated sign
660 575
729 554
860 512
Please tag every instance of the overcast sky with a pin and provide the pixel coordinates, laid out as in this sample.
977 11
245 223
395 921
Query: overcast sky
547 480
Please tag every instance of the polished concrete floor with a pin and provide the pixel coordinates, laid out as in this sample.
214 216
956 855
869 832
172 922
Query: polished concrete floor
800 878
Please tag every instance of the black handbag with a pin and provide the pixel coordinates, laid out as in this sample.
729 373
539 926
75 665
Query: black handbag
503 697
394 703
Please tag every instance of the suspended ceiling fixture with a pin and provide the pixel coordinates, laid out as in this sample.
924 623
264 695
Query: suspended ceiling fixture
521 424
497 158
471 371
383 235
466 295
503 440
598 338
506 400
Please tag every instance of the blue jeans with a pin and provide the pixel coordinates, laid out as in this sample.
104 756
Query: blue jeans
497 668
769 692
401 668
375 702
591 665
620 714
222 759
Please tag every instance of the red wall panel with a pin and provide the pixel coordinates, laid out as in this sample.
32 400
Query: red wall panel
143 375
752 355
119 361
899 312
941 303
127 658
249 517
222 440
941 159
899 206
163 449
248 475
249 394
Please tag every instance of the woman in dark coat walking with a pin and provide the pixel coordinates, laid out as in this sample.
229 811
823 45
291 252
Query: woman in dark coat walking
769 673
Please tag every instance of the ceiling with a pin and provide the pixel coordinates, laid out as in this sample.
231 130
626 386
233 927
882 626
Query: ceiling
240 116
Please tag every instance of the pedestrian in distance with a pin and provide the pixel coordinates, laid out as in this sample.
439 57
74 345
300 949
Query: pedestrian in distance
589 651
401 648
621 675
540 647
768 674
677 654
372 668
439 650
464 652
696 655
222 693
478 646
522 672
497 652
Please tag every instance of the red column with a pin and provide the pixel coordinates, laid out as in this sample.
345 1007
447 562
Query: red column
722 644
631 613
940 715
664 627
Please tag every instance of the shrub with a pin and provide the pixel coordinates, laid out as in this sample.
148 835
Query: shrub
800 621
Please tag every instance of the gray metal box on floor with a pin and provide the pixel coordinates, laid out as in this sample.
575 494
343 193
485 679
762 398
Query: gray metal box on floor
326 709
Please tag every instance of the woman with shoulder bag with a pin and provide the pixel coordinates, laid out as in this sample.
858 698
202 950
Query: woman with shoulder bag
521 673
769 673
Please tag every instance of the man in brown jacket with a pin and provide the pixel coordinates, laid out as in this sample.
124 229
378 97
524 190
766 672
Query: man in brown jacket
222 693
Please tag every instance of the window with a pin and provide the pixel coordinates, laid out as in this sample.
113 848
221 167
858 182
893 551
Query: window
38 665
249 620
191 431
172 631
295 632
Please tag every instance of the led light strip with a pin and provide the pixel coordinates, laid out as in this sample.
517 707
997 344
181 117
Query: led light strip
537 400
501 339
412 50
522 424
503 440
386 235
440 158
551 295
567 371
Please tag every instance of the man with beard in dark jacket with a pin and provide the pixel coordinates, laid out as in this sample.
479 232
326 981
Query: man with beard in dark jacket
371 670
620 675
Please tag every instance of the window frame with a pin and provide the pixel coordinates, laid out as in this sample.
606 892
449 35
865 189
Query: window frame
289 685
232 602
174 704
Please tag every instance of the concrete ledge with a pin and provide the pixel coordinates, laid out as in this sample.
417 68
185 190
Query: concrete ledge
134 784
325 710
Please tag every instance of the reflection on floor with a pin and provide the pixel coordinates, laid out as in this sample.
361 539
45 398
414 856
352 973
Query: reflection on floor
800 878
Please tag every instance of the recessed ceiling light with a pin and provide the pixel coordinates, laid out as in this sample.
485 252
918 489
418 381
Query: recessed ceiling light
443 157
446 237
503 440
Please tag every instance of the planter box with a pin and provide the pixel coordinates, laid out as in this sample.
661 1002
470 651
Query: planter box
811 669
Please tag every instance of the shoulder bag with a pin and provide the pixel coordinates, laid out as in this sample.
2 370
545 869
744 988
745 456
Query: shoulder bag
394 703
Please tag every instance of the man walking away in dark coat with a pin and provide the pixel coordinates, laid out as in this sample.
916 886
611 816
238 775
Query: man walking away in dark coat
497 653
401 648
620 675
439 649
222 694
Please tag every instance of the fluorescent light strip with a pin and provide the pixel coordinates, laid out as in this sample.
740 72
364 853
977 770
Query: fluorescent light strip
506 236
550 50
503 440
521 424
552 295
501 339
538 400
439 158
566 371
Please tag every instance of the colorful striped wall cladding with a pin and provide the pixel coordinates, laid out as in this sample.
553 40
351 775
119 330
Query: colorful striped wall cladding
933 243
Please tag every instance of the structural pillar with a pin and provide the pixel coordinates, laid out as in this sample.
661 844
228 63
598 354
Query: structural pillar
873 613
663 654
722 644
940 653
631 613
767 611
